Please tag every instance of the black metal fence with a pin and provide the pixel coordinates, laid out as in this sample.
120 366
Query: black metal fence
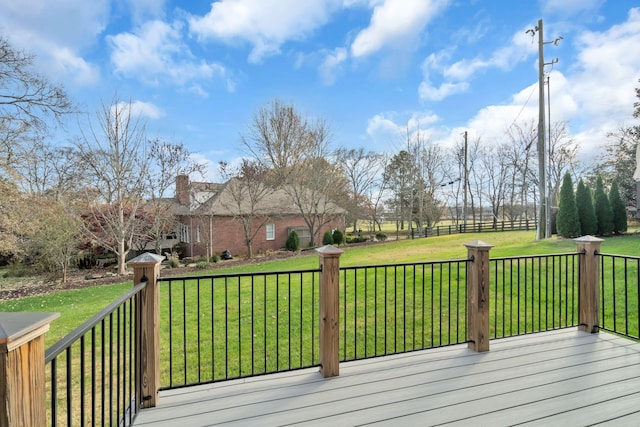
619 295
92 372
479 227
387 309
237 325
214 328
533 294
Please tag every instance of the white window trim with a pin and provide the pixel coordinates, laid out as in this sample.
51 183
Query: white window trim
271 227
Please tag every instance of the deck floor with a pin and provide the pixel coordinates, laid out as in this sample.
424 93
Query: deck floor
563 377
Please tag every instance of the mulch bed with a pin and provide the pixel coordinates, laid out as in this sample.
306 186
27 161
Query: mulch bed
39 285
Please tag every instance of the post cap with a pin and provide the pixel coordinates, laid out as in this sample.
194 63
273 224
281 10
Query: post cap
478 244
146 258
329 250
14 327
588 239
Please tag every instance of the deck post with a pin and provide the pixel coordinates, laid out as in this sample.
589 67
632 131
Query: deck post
146 268
329 309
22 368
589 287
478 295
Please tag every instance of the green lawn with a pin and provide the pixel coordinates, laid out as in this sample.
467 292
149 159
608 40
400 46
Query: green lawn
76 306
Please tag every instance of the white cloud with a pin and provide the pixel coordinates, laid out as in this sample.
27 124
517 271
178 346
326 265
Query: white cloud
395 23
57 33
456 76
265 24
332 64
390 132
140 109
155 53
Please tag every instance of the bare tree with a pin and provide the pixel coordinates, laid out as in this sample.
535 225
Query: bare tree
496 168
247 187
167 160
296 150
26 100
563 153
116 166
521 156
361 169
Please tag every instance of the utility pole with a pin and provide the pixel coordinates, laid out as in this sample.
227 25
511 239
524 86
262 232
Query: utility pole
543 229
466 179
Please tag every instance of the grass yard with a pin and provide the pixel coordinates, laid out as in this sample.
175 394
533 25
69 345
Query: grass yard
76 306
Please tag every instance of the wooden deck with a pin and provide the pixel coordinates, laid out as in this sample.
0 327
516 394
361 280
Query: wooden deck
563 377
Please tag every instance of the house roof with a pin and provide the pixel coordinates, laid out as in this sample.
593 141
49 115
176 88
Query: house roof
221 202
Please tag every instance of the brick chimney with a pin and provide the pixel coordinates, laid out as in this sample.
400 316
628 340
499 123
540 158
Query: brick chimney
182 189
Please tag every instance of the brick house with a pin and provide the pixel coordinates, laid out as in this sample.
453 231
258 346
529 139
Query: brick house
207 227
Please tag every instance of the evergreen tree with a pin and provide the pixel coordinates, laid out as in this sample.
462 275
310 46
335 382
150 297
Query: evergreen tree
327 239
586 213
617 209
568 221
604 215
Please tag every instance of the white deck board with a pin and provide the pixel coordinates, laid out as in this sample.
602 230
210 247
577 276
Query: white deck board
563 377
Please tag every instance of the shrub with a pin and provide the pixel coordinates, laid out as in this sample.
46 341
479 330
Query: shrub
356 239
293 242
381 236
173 262
327 239
568 220
215 258
179 250
202 265
338 237
618 210
603 209
586 213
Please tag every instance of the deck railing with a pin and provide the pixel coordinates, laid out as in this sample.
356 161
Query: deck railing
237 325
395 308
234 325
620 293
92 375
533 294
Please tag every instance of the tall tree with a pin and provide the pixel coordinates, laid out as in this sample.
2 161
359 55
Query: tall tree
586 212
618 209
166 161
27 100
522 183
399 175
563 153
361 168
296 150
116 165
246 190
568 219
604 215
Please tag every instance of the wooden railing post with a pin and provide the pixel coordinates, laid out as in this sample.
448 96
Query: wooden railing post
146 268
478 295
589 287
329 309
22 368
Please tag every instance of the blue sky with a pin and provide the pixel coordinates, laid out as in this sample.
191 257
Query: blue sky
198 70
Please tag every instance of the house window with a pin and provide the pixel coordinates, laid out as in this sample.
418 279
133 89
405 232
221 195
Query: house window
183 233
271 231
198 233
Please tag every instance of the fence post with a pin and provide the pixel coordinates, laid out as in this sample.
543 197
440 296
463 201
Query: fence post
329 309
146 268
589 287
478 295
22 368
